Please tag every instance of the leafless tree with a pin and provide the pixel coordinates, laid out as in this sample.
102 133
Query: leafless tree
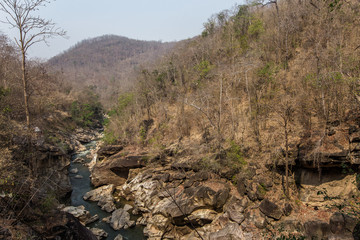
32 29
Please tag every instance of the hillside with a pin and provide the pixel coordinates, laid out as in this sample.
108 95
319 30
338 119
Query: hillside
250 130
107 62
265 103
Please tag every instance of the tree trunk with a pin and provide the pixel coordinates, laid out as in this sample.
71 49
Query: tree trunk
286 160
25 88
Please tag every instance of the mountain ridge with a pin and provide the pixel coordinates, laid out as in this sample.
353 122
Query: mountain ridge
107 62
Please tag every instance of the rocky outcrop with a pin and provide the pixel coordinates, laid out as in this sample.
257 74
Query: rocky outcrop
99 233
81 214
115 169
168 206
86 136
120 219
107 151
230 231
104 196
270 209
178 200
52 162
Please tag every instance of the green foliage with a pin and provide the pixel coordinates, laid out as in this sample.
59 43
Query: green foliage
4 92
142 134
109 137
235 156
241 25
203 68
124 101
256 27
267 73
49 202
210 164
88 111
209 28
334 5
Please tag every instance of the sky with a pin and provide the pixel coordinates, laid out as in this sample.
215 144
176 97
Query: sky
159 20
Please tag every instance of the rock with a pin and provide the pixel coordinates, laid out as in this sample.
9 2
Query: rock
53 161
84 137
158 222
337 223
290 225
270 209
115 169
255 217
107 219
177 176
121 219
240 186
163 177
74 171
108 206
260 192
99 233
141 221
317 229
235 212
76 211
221 197
202 216
78 160
107 151
128 207
334 149
80 148
66 226
287 209
92 219
80 213
78 177
102 195
119 237
92 163
230 231
350 222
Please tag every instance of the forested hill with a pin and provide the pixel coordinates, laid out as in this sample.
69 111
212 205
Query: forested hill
107 62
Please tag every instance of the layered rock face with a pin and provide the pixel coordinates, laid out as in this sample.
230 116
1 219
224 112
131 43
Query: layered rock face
115 169
176 199
52 163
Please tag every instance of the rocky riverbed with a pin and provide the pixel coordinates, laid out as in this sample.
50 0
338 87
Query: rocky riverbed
93 208
174 198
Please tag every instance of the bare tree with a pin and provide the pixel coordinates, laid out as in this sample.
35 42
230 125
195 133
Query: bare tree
31 29
286 111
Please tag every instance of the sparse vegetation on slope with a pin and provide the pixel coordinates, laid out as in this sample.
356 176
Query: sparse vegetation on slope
107 62
261 76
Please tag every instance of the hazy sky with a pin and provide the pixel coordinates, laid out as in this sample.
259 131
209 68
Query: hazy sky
165 20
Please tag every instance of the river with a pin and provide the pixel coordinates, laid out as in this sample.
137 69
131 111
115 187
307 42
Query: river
82 186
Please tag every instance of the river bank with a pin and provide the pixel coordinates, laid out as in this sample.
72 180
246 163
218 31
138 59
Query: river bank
79 175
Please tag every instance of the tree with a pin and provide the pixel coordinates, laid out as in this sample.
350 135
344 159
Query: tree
31 29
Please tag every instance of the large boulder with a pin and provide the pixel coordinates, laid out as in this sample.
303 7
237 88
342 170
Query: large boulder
270 209
230 231
102 195
99 233
54 162
334 148
81 214
115 169
317 229
201 217
107 151
121 219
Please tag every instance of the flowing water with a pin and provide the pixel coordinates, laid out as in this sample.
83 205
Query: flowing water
82 186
